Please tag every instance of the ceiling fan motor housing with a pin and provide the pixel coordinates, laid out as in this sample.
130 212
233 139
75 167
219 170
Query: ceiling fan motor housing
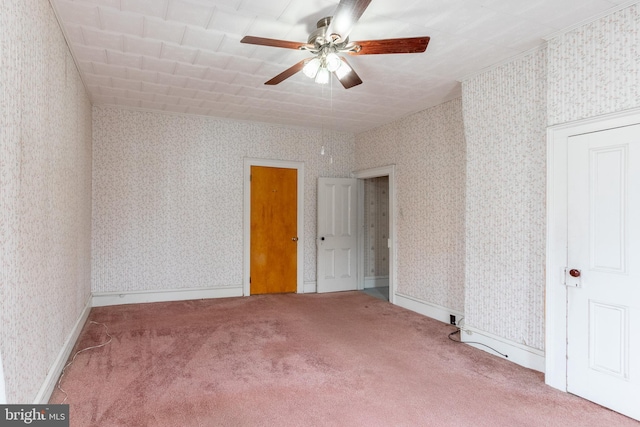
320 36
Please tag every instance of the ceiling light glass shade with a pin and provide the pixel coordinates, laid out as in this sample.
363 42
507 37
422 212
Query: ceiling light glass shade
343 70
323 76
311 68
333 62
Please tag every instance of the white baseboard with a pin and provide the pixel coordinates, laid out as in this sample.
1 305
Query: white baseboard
434 311
310 288
376 282
369 282
138 297
517 353
520 354
46 390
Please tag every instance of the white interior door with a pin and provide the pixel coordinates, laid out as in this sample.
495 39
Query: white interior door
603 275
337 234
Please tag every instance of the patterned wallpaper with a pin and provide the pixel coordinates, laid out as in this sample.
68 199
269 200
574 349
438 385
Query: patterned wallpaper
428 149
591 70
167 195
505 121
45 195
376 223
595 69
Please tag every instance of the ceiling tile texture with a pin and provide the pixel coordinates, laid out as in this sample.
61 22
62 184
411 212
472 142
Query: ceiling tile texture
185 56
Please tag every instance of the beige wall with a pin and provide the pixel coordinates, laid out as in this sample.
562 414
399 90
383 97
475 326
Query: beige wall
480 209
428 150
45 196
591 70
505 121
595 69
168 195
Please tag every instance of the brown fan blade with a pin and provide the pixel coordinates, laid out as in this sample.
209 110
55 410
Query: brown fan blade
376 47
346 15
349 79
272 42
287 73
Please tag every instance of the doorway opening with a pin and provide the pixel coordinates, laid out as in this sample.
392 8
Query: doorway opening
377 239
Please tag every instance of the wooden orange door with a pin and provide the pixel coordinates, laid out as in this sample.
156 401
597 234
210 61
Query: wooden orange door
274 235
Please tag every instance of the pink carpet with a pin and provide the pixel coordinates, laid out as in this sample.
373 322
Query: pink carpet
343 359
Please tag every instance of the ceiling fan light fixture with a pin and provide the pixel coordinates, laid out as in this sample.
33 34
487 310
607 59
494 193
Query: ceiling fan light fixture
323 76
311 68
333 62
343 70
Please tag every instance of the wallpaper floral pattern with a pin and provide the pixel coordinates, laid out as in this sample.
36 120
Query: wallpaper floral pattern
376 223
428 149
45 195
505 121
168 195
585 72
595 69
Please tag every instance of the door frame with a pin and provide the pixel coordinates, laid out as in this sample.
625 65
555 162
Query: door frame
299 167
557 236
390 171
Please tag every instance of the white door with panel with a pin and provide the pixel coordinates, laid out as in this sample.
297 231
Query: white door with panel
337 239
603 274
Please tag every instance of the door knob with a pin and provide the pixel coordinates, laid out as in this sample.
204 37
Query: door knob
295 239
574 273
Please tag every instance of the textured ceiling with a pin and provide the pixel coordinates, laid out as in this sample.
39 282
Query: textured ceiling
185 55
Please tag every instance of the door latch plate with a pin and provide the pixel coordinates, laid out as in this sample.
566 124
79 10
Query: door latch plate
572 278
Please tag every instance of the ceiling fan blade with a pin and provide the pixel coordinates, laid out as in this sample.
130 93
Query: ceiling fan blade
349 79
346 15
406 45
272 42
286 73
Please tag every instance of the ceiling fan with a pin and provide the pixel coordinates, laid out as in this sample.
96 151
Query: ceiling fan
330 39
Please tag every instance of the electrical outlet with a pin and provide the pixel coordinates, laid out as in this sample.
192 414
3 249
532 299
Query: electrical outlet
452 319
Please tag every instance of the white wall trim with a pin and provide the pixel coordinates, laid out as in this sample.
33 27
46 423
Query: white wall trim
520 354
376 282
361 235
502 63
557 237
67 41
425 308
390 171
310 288
49 384
299 166
549 37
104 299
